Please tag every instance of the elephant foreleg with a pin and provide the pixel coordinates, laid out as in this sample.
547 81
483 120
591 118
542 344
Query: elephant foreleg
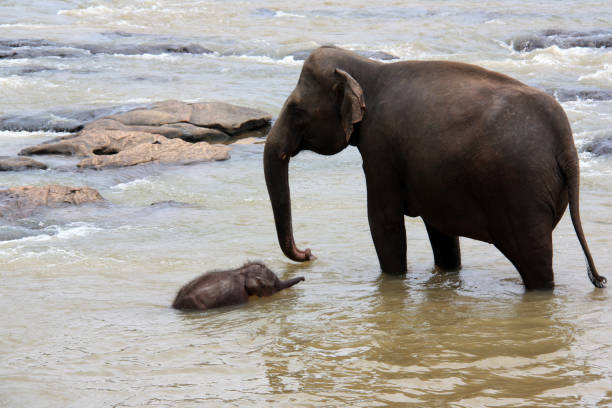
386 220
389 236
447 254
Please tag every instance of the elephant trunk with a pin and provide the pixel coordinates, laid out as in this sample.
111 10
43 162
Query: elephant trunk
289 283
276 170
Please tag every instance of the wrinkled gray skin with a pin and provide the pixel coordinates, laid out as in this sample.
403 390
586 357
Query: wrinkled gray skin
233 287
472 152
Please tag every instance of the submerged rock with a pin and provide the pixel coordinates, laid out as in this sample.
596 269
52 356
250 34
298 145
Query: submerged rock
564 95
20 163
600 147
376 55
24 200
564 39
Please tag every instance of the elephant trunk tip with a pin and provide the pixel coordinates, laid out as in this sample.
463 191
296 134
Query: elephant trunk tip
598 281
290 282
292 252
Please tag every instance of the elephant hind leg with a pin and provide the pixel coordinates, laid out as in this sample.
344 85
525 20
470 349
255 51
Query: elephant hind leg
447 254
531 253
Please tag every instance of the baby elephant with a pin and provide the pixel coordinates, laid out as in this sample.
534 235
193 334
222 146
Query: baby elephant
233 287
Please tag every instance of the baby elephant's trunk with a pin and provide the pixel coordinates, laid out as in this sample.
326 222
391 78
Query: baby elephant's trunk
289 282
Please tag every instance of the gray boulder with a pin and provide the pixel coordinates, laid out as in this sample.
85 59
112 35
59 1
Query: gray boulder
20 163
600 147
117 140
22 201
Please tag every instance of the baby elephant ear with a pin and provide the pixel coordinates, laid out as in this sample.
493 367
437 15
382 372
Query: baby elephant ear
253 285
352 104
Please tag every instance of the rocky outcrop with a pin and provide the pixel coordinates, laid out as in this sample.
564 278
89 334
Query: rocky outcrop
167 132
189 121
20 163
162 150
24 200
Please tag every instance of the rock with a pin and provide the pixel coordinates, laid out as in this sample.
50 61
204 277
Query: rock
162 150
376 55
564 39
185 131
600 147
206 121
249 141
37 48
92 142
58 120
20 163
21 201
167 132
564 95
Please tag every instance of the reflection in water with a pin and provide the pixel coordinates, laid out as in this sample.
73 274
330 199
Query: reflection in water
436 344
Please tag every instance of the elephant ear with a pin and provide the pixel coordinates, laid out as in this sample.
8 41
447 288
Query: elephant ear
253 285
352 104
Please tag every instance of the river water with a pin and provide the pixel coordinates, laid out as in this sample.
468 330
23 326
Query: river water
85 292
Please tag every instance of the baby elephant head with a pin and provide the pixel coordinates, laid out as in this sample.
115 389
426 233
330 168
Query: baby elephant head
261 281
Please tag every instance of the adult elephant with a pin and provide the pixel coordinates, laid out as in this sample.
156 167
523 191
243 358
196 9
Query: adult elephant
473 152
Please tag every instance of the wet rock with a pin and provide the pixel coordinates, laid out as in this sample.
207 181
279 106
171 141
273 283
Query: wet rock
564 39
185 131
224 117
58 120
91 142
141 49
162 150
600 147
25 42
37 48
376 55
565 95
171 204
20 163
300 55
21 201
166 132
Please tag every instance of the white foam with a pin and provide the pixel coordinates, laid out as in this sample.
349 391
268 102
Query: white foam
76 230
17 82
70 231
13 82
132 184
602 75
153 57
284 14
88 11
262 59
20 134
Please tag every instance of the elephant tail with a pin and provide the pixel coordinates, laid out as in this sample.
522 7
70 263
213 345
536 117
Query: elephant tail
570 169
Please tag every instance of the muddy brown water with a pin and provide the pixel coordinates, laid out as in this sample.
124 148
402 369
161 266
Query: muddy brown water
85 292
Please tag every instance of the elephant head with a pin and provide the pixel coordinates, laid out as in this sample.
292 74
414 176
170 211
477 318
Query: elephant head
261 281
319 115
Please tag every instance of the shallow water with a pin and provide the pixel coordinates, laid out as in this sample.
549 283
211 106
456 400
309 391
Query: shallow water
86 291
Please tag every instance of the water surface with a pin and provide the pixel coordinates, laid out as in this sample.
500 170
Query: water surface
86 291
